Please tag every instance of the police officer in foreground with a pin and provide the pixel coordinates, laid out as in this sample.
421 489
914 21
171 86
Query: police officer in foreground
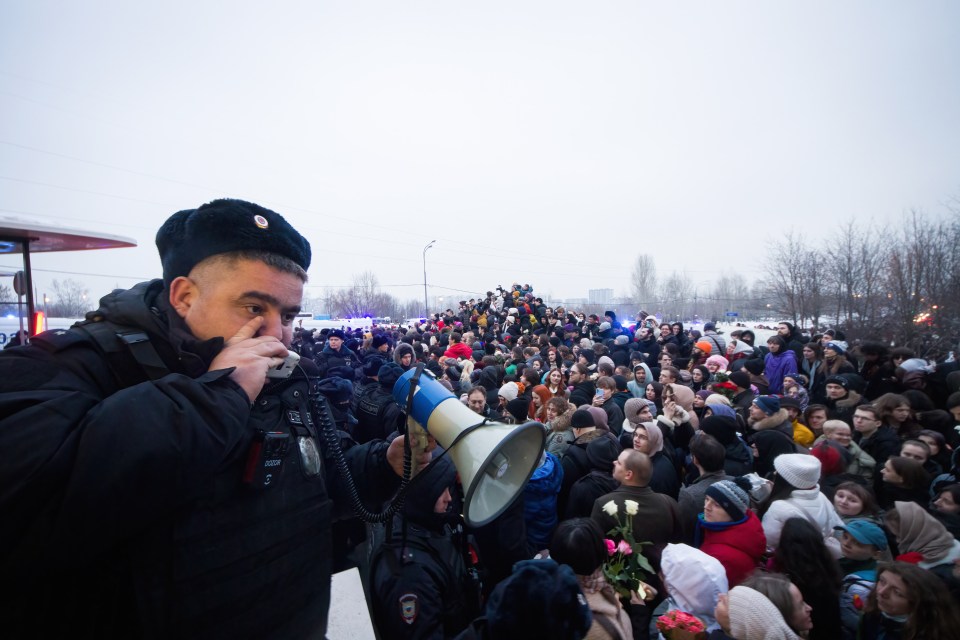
153 481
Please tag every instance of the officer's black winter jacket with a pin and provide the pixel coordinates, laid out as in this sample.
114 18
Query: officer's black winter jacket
124 510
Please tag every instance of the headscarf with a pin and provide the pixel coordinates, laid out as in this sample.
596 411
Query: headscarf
654 436
599 417
919 531
717 400
683 396
754 617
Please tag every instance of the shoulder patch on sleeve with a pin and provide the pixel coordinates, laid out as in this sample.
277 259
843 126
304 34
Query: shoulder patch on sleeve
409 608
57 339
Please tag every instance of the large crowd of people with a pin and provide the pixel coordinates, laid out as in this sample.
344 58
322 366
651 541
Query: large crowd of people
803 486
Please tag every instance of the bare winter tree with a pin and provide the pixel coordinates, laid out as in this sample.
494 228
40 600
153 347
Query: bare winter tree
812 278
8 300
856 260
900 286
676 296
362 298
70 299
643 281
730 293
786 280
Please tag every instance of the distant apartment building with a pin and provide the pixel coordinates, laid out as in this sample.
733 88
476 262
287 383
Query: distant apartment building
600 296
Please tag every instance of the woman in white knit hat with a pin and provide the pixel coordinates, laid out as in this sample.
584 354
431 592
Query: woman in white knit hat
796 494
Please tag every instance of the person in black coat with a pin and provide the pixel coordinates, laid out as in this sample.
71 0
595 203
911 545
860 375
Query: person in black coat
601 453
739 458
583 390
151 488
336 355
374 407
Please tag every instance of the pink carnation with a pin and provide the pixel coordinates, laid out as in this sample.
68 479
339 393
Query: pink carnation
624 548
611 546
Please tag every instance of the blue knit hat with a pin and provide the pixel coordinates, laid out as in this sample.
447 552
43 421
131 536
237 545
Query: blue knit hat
768 404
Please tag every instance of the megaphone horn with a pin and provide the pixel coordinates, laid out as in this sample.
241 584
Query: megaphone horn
494 460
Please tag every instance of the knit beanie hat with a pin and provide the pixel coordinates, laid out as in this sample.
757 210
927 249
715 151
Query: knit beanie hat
722 428
703 394
518 408
604 326
582 419
600 417
843 381
835 346
754 366
601 452
509 391
800 470
731 496
704 346
768 404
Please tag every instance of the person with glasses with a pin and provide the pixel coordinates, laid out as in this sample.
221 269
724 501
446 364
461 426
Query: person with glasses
876 439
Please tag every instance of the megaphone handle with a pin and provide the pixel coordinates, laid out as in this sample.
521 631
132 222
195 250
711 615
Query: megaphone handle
417 437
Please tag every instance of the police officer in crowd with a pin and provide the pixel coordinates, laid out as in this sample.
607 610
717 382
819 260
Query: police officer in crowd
155 482
421 583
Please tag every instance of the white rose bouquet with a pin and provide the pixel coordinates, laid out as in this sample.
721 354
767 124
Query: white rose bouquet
626 569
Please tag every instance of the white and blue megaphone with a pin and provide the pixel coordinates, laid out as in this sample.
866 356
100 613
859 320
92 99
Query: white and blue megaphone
494 460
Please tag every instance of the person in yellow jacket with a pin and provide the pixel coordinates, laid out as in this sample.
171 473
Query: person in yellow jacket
802 435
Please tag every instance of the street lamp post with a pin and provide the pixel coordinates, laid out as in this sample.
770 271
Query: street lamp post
425 277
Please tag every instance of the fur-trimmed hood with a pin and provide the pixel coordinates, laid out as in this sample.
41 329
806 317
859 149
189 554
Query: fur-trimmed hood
771 422
561 422
852 400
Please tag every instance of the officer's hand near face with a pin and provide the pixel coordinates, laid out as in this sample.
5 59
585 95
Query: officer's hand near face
252 356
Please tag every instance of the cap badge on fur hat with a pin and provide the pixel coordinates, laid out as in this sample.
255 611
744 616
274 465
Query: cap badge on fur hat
190 236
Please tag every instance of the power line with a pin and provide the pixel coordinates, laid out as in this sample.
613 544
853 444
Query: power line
88 191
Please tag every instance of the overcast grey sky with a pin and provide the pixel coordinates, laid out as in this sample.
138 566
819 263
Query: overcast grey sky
541 142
